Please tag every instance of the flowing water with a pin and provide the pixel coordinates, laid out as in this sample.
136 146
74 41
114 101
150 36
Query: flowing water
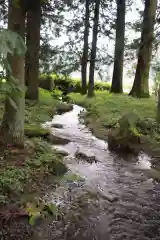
113 199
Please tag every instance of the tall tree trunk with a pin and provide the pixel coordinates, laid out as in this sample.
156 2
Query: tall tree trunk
141 86
27 68
119 49
33 41
158 106
85 49
93 50
12 127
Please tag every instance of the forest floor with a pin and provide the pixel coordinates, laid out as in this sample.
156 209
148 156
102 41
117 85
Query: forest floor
25 173
105 109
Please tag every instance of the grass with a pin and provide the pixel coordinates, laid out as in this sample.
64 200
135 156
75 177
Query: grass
104 110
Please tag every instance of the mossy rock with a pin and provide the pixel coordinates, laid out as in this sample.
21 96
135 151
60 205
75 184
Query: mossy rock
64 107
126 137
58 168
154 174
36 131
57 140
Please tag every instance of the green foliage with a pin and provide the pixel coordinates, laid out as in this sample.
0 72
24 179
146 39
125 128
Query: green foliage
40 209
68 84
57 94
46 157
12 179
10 43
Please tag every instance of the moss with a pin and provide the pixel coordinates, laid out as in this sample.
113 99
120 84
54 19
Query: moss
35 131
63 107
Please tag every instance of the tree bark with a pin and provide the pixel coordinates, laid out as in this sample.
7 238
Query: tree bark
158 106
12 127
85 49
32 57
117 77
93 50
27 67
141 86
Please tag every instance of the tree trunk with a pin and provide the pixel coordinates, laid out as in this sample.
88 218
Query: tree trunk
27 54
33 42
158 106
119 49
141 86
93 50
85 50
12 127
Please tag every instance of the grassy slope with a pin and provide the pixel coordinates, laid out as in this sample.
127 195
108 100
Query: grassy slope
37 160
105 109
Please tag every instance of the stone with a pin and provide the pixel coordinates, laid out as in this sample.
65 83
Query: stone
57 125
125 137
57 140
64 107
36 131
84 157
62 152
110 197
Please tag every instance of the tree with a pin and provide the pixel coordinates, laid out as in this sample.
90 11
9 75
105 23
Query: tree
93 49
140 86
117 77
32 56
12 127
85 49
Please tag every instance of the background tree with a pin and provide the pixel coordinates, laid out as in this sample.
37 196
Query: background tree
12 127
85 49
93 49
141 86
33 48
116 86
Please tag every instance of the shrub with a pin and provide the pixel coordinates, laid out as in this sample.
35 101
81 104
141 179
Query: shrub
68 84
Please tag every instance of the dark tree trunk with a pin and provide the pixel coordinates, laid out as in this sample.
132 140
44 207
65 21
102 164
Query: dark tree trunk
93 50
119 49
85 49
12 127
27 68
32 57
141 86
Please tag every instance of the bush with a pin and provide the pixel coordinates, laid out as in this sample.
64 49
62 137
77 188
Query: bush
68 84
46 82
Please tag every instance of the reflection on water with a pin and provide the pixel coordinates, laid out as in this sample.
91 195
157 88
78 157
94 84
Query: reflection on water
121 202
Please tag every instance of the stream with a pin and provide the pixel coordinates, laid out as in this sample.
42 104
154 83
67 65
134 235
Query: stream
112 199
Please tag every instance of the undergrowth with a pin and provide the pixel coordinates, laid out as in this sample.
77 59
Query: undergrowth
21 176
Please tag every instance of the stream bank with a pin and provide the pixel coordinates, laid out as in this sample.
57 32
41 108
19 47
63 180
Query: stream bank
26 173
113 198
106 109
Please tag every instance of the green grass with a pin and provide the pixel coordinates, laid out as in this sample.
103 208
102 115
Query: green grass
110 107
104 110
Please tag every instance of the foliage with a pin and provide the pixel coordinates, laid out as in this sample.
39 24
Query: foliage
17 174
68 84
10 43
